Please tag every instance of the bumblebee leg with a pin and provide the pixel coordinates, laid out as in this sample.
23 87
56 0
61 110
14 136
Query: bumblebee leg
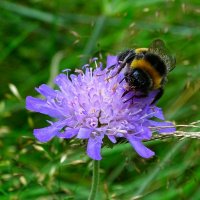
108 70
126 92
134 96
121 80
141 95
123 57
118 71
130 55
126 55
158 95
111 67
129 99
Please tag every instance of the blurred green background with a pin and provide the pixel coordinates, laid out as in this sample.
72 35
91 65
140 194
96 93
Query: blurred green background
40 38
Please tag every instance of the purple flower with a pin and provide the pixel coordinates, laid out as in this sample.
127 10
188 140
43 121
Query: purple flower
89 106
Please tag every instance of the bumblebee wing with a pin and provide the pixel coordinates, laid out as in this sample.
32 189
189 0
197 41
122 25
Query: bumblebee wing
173 63
158 48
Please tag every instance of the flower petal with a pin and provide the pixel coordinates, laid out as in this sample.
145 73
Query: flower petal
41 106
146 133
158 113
62 81
46 91
45 134
68 133
112 138
94 147
163 127
84 133
142 150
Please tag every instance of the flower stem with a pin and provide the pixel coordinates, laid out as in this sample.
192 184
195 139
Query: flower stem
95 180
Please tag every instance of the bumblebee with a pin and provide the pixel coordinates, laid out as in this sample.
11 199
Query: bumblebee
146 69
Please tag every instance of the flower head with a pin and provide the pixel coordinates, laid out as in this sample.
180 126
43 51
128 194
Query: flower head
89 106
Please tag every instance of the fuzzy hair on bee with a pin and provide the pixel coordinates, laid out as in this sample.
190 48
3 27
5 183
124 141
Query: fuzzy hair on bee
146 69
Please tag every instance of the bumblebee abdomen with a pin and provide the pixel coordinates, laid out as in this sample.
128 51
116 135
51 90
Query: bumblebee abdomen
157 63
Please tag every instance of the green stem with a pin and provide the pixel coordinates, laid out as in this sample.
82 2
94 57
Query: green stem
95 180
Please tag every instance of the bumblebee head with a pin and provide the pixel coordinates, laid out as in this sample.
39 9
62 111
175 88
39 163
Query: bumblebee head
139 80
